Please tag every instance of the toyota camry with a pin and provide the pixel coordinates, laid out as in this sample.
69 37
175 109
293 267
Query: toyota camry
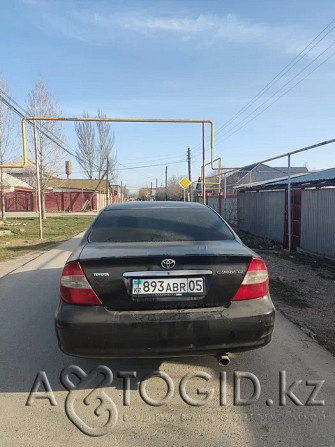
159 279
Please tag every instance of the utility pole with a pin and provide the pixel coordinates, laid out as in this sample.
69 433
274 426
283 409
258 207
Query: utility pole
289 212
3 211
88 201
125 192
203 165
121 193
190 191
151 191
156 189
107 183
38 184
166 194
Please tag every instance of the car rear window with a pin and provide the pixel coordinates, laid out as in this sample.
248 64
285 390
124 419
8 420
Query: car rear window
159 225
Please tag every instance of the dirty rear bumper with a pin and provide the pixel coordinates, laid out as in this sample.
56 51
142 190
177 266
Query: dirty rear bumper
94 331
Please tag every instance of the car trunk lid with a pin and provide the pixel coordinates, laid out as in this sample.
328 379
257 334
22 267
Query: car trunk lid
111 269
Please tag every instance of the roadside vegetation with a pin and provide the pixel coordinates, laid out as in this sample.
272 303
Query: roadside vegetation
21 235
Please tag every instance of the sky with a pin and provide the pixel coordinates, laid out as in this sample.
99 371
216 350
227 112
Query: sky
189 59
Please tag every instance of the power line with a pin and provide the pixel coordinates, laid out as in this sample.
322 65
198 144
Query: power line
46 133
153 165
277 99
281 74
147 176
9 103
277 91
54 138
127 168
173 159
274 81
163 156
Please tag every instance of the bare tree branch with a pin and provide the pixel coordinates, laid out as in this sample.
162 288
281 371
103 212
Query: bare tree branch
40 103
6 134
94 148
174 190
85 152
105 143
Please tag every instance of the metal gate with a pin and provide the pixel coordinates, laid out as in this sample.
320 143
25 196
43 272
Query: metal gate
295 219
19 201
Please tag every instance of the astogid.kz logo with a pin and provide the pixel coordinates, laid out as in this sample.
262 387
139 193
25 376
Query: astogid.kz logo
106 404
87 391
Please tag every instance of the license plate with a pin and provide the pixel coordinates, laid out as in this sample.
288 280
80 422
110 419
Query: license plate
168 287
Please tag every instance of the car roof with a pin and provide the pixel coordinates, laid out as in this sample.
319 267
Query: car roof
151 204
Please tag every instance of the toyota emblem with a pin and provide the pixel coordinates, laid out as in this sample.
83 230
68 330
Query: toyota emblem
168 263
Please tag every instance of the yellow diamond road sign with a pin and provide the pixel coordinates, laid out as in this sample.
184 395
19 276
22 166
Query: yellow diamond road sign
184 182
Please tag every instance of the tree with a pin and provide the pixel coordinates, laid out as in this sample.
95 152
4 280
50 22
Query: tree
143 194
85 151
40 103
94 148
6 130
174 191
112 173
105 143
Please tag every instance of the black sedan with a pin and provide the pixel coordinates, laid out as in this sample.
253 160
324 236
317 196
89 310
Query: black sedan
153 279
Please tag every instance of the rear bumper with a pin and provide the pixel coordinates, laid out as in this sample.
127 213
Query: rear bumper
89 331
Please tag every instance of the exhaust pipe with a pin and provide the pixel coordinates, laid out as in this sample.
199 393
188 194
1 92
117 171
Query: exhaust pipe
223 359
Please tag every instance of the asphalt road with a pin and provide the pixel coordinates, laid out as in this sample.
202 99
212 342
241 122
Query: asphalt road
28 298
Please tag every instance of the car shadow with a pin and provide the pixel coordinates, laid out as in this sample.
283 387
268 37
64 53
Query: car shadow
28 342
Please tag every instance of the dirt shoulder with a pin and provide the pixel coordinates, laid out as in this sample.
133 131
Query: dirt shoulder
302 288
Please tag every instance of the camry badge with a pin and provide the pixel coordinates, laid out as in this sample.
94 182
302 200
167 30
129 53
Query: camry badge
168 263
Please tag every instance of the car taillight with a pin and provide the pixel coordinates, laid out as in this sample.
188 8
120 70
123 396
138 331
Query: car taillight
74 287
255 283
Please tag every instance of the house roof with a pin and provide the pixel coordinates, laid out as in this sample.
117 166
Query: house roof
19 161
11 181
263 172
255 174
293 169
323 178
85 184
